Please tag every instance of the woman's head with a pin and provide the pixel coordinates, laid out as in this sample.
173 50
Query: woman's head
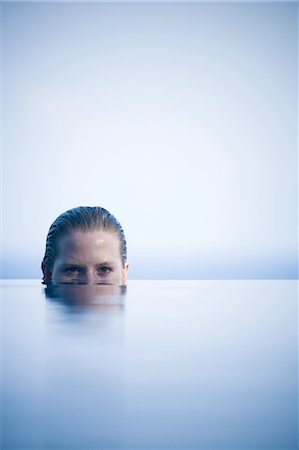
85 245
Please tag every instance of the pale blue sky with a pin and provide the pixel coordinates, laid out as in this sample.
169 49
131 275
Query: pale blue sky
181 119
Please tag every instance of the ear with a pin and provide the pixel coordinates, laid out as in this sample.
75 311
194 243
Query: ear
47 274
124 273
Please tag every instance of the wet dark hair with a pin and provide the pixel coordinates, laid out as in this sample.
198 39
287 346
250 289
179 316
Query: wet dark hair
83 218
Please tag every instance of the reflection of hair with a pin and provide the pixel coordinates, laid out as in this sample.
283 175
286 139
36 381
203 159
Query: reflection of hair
83 218
84 293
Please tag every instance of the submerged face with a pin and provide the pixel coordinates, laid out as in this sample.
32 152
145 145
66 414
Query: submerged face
89 257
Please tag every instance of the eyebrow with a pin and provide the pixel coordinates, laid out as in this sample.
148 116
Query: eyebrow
106 263
75 264
69 264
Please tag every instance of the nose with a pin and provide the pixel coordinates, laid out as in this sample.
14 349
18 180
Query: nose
89 277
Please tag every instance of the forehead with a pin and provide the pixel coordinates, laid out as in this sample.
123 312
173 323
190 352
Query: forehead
91 246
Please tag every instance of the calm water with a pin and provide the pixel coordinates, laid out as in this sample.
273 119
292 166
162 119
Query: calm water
165 364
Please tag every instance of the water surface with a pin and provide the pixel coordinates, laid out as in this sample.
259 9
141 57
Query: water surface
161 364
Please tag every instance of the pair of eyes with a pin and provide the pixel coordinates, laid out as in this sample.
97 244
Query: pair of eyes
73 270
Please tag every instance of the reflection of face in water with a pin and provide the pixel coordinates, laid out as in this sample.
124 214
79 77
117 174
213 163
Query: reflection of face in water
89 257
102 296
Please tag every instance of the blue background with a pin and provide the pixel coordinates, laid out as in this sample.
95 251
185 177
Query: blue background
180 118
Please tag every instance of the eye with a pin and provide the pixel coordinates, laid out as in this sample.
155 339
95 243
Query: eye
104 270
71 270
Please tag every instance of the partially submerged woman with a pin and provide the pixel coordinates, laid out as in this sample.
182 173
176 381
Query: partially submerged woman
85 245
